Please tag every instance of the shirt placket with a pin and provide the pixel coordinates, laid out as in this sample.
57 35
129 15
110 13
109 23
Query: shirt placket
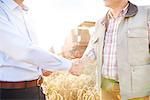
26 24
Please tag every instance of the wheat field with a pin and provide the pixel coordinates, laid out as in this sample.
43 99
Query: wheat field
64 86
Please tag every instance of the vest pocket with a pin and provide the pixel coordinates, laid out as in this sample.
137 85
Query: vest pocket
138 48
140 78
138 32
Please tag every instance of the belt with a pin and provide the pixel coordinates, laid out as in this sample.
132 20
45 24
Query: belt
110 80
22 84
109 85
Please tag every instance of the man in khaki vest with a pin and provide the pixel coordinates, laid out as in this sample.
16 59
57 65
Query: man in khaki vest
120 48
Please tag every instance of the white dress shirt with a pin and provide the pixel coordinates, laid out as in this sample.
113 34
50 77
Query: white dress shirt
20 58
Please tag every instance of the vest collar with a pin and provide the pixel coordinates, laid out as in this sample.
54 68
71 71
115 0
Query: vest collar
132 10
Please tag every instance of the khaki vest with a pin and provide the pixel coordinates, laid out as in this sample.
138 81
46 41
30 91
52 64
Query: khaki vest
132 52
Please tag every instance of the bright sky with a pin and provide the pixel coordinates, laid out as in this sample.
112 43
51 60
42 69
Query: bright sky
54 19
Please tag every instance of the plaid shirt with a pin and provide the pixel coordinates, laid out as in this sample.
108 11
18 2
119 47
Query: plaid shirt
109 67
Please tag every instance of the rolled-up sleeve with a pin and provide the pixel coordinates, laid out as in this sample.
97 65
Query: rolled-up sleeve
89 54
13 44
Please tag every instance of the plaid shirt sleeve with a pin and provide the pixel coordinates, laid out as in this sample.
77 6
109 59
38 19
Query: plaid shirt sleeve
89 55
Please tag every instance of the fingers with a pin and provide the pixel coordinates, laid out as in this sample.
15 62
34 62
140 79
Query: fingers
77 68
46 73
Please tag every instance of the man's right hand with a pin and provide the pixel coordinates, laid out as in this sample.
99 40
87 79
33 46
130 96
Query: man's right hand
77 68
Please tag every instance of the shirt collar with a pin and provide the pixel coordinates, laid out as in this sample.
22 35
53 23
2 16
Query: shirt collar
13 5
131 11
122 13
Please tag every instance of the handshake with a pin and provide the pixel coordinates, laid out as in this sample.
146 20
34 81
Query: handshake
76 69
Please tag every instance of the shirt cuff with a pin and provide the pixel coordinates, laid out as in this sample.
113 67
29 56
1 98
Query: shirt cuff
66 64
62 64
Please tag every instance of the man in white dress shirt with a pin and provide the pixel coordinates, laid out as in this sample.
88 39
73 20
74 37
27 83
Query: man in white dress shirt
21 60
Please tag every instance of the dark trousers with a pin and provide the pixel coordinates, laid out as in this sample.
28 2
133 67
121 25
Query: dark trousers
34 93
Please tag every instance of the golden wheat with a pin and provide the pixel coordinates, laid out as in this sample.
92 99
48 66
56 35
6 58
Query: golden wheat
64 86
